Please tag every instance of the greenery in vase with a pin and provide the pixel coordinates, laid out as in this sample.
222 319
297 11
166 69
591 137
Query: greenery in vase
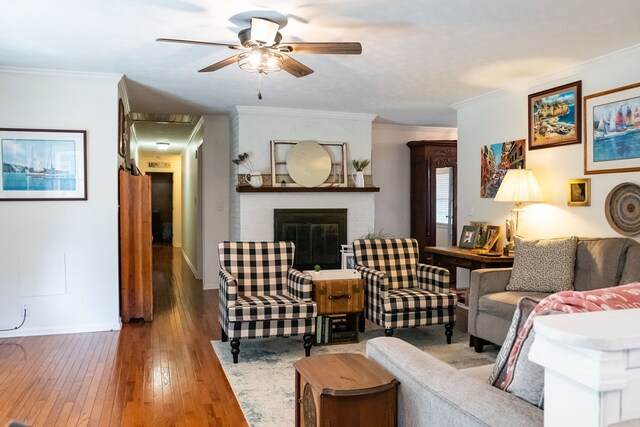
359 165
316 268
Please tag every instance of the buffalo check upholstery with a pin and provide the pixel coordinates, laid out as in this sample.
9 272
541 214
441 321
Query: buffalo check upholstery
399 291
262 295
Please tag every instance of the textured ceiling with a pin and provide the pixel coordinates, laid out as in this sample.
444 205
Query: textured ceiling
418 58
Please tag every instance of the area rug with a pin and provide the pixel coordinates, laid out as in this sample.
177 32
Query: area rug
263 379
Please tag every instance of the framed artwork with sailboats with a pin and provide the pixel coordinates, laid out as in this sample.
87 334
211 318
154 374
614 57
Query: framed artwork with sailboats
612 130
43 164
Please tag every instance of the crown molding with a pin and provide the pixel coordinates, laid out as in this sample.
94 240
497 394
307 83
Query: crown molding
417 128
60 73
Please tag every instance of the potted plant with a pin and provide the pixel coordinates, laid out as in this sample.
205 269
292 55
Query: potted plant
359 166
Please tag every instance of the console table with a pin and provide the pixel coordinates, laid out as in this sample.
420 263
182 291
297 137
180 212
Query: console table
451 257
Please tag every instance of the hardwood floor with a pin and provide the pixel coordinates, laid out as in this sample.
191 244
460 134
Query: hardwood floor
160 373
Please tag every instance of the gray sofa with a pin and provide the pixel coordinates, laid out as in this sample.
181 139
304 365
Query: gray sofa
600 263
432 393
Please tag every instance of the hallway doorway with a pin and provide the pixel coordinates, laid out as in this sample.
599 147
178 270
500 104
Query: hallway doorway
162 207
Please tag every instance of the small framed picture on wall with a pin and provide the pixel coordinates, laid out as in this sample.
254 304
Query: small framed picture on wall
579 192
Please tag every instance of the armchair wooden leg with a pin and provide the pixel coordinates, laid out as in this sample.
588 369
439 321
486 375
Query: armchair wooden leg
388 332
235 349
308 341
448 331
223 335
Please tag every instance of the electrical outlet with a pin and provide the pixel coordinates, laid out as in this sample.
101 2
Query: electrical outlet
26 310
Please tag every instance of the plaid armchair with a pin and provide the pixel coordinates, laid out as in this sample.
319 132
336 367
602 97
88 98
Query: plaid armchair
400 292
261 295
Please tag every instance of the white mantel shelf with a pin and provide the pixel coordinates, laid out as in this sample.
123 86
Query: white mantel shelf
264 189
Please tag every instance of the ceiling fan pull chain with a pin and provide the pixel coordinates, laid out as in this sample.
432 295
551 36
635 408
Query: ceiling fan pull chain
260 85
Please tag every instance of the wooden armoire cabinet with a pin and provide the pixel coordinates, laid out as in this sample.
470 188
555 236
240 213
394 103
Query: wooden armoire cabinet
136 286
426 158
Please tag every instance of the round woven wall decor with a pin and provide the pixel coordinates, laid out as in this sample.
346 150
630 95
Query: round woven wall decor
622 209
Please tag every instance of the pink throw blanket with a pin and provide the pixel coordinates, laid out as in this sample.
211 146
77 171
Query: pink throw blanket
614 298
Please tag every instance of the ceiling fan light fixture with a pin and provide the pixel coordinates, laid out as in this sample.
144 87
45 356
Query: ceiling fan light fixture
260 60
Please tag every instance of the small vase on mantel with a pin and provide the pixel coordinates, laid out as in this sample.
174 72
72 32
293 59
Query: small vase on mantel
254 179
358 178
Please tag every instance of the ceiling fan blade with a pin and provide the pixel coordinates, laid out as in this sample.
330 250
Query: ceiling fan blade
294 67
221 64
337 48
230 46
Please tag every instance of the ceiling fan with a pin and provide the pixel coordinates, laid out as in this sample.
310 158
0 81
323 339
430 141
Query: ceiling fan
263 52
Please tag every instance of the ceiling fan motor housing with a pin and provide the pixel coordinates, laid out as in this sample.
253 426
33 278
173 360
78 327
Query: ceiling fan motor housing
248 42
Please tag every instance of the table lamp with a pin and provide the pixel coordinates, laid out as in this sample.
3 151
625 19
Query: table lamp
518 186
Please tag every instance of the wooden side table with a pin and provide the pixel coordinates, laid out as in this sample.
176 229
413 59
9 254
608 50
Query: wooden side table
344 389
339 295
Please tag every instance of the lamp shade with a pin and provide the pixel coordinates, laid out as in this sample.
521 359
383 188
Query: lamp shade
519 185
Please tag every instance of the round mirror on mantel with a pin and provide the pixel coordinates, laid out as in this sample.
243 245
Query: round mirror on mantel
308 163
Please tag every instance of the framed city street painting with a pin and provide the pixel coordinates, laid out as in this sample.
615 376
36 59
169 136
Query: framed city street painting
612 130
555 115
495 160
43 164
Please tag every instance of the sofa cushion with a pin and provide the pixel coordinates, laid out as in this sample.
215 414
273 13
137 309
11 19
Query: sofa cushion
503 304
543 265
599 262
416 299
523 308
631 270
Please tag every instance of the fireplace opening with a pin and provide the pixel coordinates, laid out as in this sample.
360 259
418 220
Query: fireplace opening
317 234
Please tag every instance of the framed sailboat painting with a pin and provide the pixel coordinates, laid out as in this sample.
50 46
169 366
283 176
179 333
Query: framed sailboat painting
612 130
43 164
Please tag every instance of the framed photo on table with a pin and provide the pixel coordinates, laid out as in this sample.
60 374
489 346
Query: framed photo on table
42 164
612 131
555 116
493 234
469 236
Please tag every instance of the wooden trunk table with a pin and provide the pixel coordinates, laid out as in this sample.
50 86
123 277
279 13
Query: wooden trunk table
339 295
344 389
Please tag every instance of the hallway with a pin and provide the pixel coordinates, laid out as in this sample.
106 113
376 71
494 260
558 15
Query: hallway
160 373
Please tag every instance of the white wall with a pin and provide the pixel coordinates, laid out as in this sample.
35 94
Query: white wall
175 168
191 203
215 195
391 168
502 116
74 243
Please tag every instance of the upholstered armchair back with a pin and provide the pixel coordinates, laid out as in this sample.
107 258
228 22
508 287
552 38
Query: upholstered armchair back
260 268
397 258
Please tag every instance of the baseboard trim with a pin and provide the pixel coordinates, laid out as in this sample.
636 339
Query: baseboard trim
76 329
188 261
